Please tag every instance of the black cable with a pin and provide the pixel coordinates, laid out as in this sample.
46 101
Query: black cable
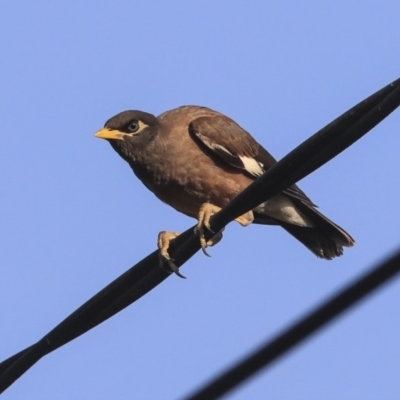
299 331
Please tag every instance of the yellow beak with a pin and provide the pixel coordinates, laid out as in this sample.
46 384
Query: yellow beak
106 133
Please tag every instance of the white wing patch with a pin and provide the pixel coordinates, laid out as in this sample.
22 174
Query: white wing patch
252 166
217 146
212 145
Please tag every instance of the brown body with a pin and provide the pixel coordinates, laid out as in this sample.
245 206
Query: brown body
188 192
192 156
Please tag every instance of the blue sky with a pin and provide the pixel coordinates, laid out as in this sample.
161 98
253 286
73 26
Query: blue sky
74 217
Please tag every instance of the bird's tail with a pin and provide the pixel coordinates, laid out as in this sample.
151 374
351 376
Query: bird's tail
326 239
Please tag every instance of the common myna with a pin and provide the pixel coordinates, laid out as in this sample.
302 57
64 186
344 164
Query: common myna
197 160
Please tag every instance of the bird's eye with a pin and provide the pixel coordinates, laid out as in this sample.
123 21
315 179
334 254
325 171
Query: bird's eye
133 126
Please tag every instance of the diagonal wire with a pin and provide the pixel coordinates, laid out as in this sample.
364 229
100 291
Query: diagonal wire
146 275
299 331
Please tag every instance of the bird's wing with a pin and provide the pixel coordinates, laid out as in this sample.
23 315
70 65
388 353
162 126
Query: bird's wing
238 148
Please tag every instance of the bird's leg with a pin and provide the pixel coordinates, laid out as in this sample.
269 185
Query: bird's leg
164 238
207 210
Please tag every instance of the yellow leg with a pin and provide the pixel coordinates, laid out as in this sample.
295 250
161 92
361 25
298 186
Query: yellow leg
164 238
207 210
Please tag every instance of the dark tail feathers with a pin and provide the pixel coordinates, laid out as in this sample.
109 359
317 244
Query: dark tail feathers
326 240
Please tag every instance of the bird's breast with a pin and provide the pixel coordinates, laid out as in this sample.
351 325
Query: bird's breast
186 179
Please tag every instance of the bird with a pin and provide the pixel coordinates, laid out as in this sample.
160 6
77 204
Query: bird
197 160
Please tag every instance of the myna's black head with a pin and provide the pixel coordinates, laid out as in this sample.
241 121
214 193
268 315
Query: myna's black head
129 121
129 131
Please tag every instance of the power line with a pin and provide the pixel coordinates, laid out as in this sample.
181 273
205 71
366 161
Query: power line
299 331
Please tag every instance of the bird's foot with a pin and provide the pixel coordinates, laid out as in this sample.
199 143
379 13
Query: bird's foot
164 238
207 210
245 219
